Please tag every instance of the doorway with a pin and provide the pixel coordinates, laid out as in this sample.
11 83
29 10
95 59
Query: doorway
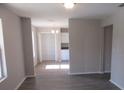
53 51
108 31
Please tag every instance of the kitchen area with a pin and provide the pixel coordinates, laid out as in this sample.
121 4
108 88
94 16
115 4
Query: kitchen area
64 45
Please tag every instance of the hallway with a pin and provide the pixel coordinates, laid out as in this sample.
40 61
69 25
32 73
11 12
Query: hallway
58 79
52 68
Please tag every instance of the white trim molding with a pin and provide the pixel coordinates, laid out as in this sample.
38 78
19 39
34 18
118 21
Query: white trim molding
122 88
1 80
79 73
28 76
20 83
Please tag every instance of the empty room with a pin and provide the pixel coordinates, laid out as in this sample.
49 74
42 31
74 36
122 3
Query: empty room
61 46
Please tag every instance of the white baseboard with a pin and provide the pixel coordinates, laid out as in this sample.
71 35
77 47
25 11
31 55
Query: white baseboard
23 81
122 88
79 73
20 83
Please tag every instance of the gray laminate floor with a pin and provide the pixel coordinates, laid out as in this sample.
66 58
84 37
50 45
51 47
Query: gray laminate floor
58 79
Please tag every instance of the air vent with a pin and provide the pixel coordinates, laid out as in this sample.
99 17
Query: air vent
121 5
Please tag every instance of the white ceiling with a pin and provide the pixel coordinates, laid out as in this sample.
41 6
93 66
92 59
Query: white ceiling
55 15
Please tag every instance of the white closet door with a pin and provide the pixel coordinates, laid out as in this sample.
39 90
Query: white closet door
48 46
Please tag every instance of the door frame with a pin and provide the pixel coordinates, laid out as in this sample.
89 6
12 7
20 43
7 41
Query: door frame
103 47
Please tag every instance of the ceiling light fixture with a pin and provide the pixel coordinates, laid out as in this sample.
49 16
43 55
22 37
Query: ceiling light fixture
57 31
68 5
52 31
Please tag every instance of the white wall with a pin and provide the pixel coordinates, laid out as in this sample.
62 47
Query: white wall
35 45
58 45
84 37
39 47
117 64
107 21
13 49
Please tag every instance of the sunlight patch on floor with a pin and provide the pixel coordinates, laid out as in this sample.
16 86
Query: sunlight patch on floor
57 66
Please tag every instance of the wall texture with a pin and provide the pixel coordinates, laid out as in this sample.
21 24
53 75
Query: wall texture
13 49
117 64
84 37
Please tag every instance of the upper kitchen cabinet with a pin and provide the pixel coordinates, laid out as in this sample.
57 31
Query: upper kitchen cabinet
64 35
